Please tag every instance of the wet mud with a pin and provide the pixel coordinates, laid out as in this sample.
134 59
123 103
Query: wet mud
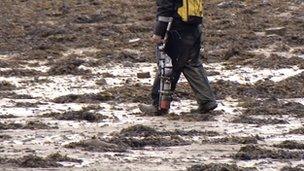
252 152
135 137
4 137
7 116
287 168
192 117
290 145
124 144
33 125
183 91
258 61
85 98
28 105
13 95
33 161
139 131
297 131
96 146
251 120
218 167
68 66
77 24
122 55
229 24
62 158
20 73
288 88
131 93
235 140
272 107
153 141
70 37
146 131
9 64
81 115
6 86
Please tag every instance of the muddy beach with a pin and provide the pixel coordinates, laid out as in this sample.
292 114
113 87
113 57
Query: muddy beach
73 72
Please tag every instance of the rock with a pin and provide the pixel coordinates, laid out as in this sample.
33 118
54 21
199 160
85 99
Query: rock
101 82
128 64
276 30
129 80
265 3
144 75
134 40
5 86
107 75
260 34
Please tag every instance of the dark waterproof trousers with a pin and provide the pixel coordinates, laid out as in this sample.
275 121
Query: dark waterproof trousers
183 47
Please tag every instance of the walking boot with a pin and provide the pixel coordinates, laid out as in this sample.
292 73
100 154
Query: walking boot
205 108
151 110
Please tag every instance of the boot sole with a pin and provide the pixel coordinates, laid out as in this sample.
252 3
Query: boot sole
204 111
153 112
209 109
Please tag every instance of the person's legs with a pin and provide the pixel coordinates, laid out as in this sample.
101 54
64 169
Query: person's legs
199 83
153 109
156 85
155 88
194 72
187 60
173 50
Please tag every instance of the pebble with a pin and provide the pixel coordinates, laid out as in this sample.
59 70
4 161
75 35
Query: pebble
144 75
276 31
